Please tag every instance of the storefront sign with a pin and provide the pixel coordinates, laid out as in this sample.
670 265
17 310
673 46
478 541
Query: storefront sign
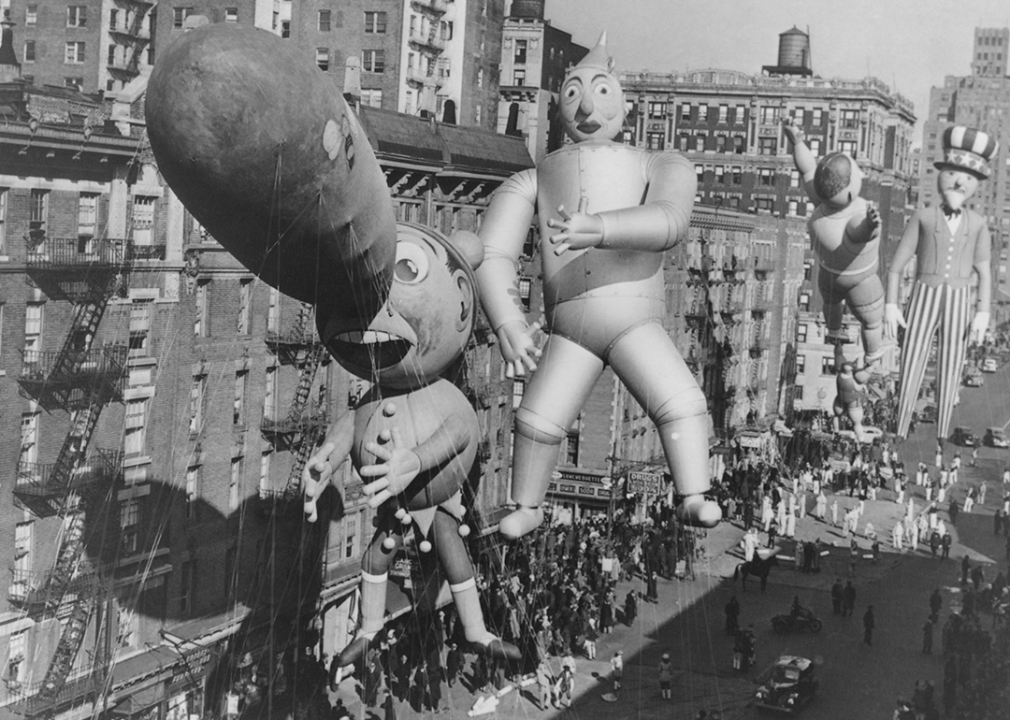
647 483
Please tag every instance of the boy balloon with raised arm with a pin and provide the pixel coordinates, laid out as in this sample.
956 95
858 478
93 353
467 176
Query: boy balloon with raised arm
845 234
610 211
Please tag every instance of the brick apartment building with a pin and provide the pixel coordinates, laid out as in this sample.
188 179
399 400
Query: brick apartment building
166 402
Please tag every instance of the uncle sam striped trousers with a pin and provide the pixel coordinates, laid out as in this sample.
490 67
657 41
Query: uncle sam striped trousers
930 309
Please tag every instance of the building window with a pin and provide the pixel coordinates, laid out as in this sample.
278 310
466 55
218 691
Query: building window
129 525
285 28
274 310
323 21
520 54
38 213
769 115
133 438
371 98
87 214
767 177
352 533
16 670
323 58
571 452
682 142
798 116
30 437
375 22
480 77
29 54
31 14
818 117
270 395
77 16
720 174
373 60
143 220
801 363
235 483
738 176
764 203
699 142
140 325
703 112
74 53
231 15
192 491
244 301
654 140
828 365
815 146
657 110
34 312
518 390
685 111
801 333
3 220
179 15
525 287
793 207
201 320
794 179
76 83
196 394
238 406
720 143
519 77
767 146
739 144
850 119
699 173
848 147
265 470
805 301
723 113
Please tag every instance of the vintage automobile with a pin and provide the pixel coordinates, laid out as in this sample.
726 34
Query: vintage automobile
787 685
964 436
973 377
995 437
990 365
928 414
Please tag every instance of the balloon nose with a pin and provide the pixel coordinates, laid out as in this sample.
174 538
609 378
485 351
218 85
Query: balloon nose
586 106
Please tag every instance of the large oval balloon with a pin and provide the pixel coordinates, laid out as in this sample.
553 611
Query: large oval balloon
261 148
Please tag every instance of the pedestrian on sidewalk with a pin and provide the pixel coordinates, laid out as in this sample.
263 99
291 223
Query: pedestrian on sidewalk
935 603
868 625
732 616
665 676
945 542
848 599
927 637
545 681
837 591
617 669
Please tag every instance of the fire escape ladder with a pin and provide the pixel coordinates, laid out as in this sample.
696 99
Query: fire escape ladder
305 380
70 558
301 327
70 643
138 22
305 448
87 317
75 445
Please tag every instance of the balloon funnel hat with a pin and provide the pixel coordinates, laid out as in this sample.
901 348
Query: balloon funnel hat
968 149
598 57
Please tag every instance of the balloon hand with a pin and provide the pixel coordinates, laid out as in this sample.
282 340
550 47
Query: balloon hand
394 474
579 230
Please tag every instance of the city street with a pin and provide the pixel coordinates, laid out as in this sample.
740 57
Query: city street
856 681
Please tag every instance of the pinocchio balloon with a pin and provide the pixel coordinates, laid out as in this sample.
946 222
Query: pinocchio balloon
261 148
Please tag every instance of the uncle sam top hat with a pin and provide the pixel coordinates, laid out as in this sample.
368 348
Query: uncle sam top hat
966 148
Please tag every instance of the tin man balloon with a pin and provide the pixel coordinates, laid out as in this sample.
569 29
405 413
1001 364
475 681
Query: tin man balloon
293 190
610 211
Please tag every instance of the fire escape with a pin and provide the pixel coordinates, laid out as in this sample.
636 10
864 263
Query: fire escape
131 35
80 379
306 421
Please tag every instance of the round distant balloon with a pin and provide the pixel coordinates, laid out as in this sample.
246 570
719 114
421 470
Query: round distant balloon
262 149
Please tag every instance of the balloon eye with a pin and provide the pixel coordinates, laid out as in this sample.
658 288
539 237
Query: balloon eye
411 263
602 89
571 91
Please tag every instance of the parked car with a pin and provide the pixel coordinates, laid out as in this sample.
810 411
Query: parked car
788 685
964 436
928 414
973 378
995 437
990 365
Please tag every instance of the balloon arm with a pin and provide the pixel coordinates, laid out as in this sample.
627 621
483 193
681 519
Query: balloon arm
903 254
804 159
330 455
663 220
447 442
503 232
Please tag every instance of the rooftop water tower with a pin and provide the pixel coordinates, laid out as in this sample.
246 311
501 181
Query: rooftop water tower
794 54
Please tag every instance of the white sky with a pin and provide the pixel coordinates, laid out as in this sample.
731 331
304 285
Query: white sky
908 44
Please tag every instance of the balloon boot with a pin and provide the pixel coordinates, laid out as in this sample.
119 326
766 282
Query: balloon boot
521 521
697 511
